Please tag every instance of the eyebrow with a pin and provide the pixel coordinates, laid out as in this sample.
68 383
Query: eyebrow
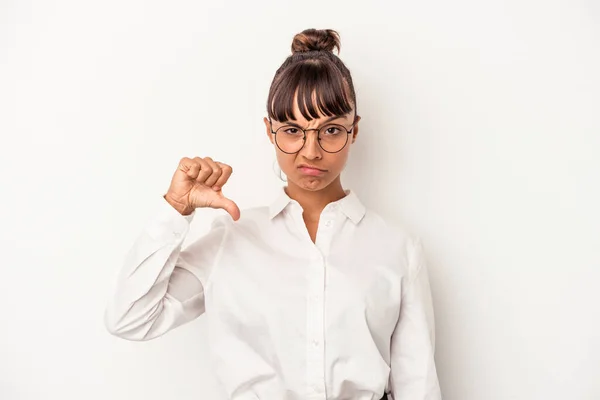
287 122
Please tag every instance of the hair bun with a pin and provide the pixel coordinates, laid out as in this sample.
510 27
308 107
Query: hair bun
316 40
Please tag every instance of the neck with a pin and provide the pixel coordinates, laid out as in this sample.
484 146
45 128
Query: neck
313 202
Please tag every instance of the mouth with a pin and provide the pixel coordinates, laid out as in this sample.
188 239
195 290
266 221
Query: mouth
310 170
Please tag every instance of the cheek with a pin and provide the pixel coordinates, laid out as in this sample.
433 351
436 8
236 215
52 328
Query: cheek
338 160
285 161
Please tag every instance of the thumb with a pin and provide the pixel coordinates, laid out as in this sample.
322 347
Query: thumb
229 206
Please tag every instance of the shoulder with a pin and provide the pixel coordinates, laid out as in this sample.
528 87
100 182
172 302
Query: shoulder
394 237
386 228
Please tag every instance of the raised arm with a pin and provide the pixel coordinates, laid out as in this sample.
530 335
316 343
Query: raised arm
160 287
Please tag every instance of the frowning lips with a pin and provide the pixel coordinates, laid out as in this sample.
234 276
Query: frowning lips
311 167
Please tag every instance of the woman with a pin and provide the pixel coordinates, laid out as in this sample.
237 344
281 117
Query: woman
312 297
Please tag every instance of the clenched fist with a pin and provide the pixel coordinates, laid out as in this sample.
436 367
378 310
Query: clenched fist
197 183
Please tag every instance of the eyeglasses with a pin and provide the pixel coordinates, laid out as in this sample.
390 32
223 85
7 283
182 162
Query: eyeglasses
332 138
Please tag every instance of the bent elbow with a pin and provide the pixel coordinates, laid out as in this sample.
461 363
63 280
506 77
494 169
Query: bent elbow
115 325
112 322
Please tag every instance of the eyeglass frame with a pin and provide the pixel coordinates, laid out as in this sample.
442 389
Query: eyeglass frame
348 132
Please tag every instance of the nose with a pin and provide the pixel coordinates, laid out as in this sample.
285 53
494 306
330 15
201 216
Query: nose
311 149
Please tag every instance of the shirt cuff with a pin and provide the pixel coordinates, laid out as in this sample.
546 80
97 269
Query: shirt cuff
168 224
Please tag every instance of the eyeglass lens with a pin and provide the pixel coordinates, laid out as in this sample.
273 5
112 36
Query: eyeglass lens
332 138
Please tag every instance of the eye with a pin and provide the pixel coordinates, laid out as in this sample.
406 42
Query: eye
332 130
290 130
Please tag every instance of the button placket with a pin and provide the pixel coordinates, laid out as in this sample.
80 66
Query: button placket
315 349
326 229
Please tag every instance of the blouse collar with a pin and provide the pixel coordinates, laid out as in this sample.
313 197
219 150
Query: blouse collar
350 205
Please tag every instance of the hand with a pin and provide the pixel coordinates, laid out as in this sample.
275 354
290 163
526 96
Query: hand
197 183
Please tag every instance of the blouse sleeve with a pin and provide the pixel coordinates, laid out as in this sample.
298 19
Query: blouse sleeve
160 286
413 371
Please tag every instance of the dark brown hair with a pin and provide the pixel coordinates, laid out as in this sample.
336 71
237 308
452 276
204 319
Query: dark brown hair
312 70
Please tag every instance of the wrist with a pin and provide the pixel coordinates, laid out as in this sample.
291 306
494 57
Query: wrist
181 208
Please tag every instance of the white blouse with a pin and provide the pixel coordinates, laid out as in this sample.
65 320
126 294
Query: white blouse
347 317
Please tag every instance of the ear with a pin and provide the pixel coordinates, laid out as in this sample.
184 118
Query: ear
355 131
268 126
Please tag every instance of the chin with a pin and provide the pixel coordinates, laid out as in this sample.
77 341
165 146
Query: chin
310 183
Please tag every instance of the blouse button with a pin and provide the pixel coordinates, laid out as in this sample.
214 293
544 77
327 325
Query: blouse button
328 224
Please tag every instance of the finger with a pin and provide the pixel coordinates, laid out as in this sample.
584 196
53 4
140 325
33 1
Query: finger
229 206
188 167
194 170
216 172
205 170
227 171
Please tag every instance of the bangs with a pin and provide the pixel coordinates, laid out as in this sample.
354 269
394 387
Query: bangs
316 86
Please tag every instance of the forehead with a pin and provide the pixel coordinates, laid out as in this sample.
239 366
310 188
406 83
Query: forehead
300 119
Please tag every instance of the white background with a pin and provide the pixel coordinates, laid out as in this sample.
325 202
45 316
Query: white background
480 132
